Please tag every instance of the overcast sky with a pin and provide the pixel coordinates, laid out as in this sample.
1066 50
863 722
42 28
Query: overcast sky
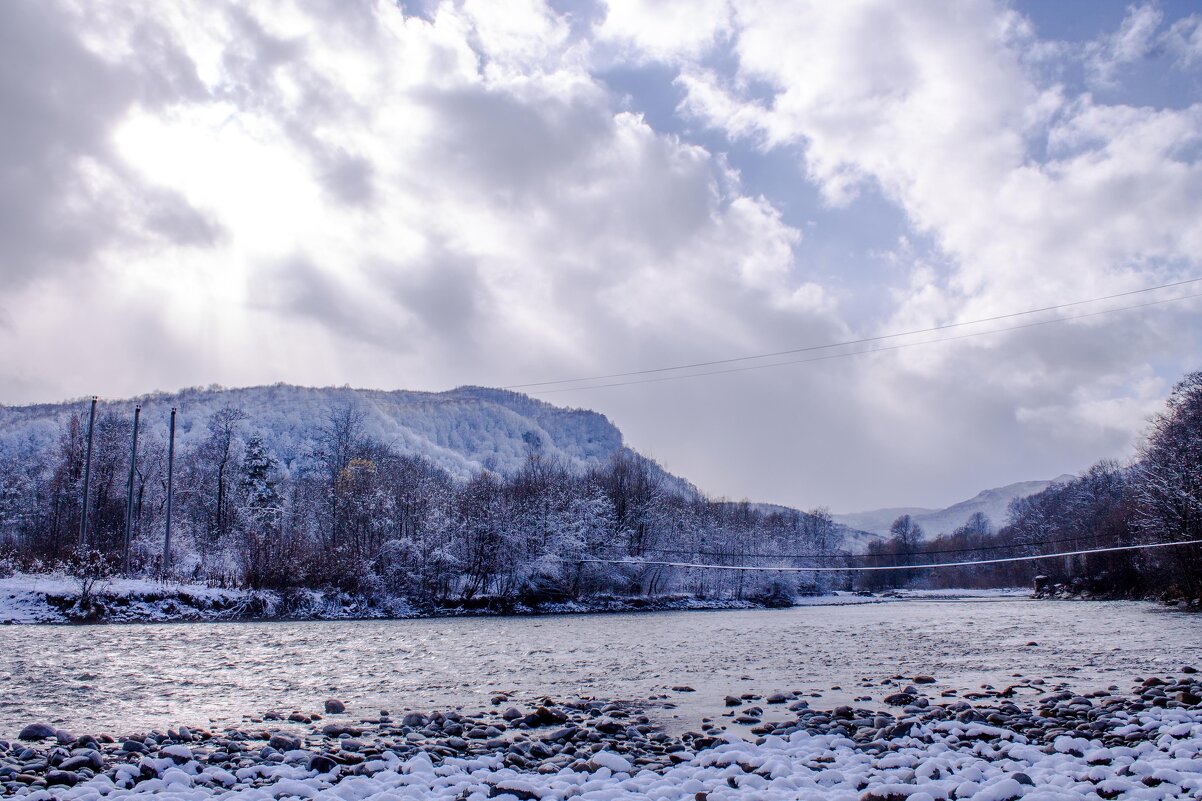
433 194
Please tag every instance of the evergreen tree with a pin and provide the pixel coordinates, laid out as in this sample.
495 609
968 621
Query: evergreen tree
259 483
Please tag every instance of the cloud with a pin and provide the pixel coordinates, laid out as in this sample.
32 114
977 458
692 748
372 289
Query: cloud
1184 41
666 29
329 192
61 181
449 190
1026 193
1135 39
944 119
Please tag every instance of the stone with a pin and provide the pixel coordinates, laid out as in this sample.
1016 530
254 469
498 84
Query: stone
38 731
900 699
335 707
563 735
282 741
84 758
322 763
608 726
63 778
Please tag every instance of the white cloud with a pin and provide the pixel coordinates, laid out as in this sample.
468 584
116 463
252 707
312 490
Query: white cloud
947 112
1133 41
1184 41
441 200
665 29
338 192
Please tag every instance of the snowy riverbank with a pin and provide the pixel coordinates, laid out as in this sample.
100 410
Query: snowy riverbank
54 598
1145 744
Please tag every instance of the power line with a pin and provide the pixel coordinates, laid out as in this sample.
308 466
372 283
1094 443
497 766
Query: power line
861 341
882 349
754 555
874 568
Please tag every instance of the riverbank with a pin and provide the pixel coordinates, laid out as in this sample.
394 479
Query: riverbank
55 599
1145 743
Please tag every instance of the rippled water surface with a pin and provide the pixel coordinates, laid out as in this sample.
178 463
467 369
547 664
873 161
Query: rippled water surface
129 678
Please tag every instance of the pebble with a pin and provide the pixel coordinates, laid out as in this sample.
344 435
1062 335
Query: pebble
572 733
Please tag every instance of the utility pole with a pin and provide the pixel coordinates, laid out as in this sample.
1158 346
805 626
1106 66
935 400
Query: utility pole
87 477
170 492
129 500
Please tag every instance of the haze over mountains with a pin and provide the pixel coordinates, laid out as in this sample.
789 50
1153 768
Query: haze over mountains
993 503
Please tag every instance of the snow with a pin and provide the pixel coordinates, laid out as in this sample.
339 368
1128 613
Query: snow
27 598
47 598
947 761
462 430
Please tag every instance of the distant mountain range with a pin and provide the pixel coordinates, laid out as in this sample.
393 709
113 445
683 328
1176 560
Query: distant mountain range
993 503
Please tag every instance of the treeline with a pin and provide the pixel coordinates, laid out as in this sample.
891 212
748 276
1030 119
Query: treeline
353 514
1156 499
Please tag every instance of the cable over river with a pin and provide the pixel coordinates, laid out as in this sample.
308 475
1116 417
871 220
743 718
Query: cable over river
128 678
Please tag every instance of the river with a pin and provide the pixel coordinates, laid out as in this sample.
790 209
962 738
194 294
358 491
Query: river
129 678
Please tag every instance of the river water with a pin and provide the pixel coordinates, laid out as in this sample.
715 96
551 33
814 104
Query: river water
130 678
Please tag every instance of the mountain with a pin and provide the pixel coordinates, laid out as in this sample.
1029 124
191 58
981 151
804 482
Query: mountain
853 538
993 503
462 430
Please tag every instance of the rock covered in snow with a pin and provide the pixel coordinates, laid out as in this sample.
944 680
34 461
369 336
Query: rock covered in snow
1143 745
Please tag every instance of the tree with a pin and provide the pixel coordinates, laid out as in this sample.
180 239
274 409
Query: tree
263 505
338 441
1169 481
218 452
908 533
91 569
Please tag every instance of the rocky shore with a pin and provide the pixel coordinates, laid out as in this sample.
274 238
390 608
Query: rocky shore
1145 743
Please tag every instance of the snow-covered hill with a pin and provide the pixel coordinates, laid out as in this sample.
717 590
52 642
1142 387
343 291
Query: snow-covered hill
993 503
462 430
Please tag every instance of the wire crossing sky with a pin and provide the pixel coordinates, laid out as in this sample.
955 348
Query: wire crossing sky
880 337
877 349
888 568
434 193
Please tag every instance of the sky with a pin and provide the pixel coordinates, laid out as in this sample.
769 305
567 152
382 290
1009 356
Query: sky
431 194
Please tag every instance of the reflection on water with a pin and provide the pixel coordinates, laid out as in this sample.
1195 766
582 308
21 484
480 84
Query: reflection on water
122 679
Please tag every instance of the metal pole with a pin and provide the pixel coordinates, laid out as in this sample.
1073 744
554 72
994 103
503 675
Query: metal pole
129 500
170 492
87 477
